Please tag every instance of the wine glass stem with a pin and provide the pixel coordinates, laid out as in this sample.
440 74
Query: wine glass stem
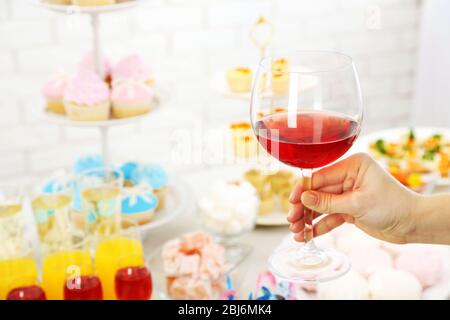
308 214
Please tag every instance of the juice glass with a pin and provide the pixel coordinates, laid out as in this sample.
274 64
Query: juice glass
25 288
83 286
133 280
11 224
112 252
100 197
17 271
51 207
64 264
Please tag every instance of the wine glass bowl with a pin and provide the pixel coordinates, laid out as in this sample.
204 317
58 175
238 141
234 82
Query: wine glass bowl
306 111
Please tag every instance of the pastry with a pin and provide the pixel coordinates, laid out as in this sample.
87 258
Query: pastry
281 180
280 83
86 98
138 203
230 208
391 284
53 91
60 1
284 199
243 142
194 266
423 261
281 65
240 79
87 163
88 63
367 261
280 77
132 67
351 286
131 98
157 178
93 2
256 178
267 202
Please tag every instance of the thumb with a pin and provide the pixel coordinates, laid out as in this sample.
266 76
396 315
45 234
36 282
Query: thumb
328 202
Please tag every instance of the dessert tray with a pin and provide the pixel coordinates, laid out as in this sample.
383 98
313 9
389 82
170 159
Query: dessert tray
365 144
74 9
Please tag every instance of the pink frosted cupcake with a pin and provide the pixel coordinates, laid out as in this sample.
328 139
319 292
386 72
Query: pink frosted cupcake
134 67
131 98
88 63
53 92
86 98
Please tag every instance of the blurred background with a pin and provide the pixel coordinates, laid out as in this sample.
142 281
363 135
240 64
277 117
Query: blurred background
186 42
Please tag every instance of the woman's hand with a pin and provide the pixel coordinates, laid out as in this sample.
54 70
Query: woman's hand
356 190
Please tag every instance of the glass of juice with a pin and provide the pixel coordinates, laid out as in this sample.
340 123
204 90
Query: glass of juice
113 252
25 288
83 285
100 197
64 264
51 202
11 224
17 271
133 280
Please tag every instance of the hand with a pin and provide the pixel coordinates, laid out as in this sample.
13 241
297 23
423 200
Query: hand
355 190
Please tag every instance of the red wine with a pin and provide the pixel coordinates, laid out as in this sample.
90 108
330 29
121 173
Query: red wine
83 288
133 283
27 293
310 140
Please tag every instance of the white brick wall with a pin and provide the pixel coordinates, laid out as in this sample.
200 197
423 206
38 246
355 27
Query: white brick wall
186 42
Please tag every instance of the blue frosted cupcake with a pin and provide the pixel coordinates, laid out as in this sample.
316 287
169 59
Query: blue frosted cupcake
139 203
156 177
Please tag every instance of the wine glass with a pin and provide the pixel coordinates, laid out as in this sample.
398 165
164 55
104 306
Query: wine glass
306 111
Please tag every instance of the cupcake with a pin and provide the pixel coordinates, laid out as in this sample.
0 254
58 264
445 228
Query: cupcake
157 178
138 203
93 2
284 199
240 79
131 98
280 79
53 91
243 142
86 98
132 67
88 63
281 180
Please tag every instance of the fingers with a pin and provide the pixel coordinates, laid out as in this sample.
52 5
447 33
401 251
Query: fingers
296 213
327 224
296 192
329 202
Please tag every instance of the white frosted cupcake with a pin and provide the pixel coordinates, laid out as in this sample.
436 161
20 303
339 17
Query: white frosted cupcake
131 98
87 98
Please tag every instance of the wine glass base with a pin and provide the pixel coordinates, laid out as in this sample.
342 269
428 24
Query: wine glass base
294 265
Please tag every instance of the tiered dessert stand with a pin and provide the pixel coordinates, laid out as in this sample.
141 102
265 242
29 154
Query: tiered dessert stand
177 196
94 12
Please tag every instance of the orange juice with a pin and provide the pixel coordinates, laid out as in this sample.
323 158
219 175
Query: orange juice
20 271
108 257
57 267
